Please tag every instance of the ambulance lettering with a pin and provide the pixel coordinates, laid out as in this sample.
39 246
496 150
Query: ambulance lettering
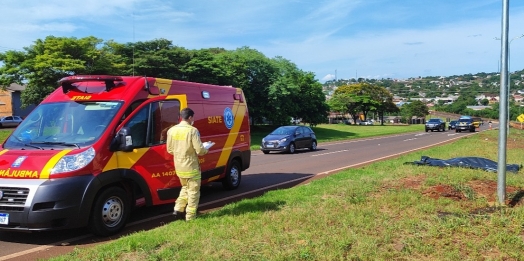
8 173
214 119
163 174
81 97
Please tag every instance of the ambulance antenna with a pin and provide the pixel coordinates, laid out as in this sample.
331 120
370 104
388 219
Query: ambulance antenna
133 63
147 83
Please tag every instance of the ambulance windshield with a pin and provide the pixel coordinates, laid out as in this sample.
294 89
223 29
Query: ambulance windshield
65 124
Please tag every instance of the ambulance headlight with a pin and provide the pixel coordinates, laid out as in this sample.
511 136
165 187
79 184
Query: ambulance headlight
74 162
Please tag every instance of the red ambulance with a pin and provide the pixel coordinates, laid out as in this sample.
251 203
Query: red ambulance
95 148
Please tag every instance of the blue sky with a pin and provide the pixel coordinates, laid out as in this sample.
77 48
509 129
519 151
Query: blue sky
350 38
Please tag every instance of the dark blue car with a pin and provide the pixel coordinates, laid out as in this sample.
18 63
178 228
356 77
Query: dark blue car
289 139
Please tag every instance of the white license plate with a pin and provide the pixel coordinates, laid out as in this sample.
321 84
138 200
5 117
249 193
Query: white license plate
4 219
270 146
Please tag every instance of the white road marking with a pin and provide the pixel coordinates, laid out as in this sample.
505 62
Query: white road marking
333 152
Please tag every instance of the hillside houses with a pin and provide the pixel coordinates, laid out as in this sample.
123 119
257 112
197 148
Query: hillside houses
443 90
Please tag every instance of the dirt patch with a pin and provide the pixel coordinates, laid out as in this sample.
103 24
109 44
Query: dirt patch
446 191
473 189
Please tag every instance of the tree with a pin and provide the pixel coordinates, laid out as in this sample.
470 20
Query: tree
370 97
156 58
346 102
46 61
416 108
254 73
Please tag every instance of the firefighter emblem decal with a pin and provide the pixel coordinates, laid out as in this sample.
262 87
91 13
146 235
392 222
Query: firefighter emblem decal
229 119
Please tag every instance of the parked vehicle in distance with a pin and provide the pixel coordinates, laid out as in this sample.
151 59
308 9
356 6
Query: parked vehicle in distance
465 124
366 122
477 121
435 124
10 121
289 139
452 125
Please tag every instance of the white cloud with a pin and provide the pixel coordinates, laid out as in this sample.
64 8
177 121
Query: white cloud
328 77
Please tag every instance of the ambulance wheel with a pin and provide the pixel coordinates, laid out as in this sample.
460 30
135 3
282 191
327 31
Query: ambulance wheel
233 176
110 212
291 148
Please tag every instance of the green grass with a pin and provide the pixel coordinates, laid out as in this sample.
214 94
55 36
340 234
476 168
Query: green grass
4 134
334 132
383 211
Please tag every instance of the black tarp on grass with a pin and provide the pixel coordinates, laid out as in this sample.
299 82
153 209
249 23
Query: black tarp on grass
465 162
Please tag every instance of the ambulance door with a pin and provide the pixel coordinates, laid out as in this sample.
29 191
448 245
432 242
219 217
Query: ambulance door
149 157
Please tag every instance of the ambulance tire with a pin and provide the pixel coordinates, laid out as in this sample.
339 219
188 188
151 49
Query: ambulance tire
110 212
233 176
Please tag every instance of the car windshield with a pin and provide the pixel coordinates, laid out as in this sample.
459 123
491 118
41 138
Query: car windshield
283 131
464 120
434 121
69 124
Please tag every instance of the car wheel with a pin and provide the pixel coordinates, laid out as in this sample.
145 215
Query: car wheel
426 130
110 212
291 148
266 151
313 145
233 176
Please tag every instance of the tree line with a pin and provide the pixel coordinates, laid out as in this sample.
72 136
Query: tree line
275 88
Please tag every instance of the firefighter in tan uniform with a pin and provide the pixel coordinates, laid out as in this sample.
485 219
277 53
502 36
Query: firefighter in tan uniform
183 142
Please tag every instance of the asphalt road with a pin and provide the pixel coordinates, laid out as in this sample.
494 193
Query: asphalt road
267 172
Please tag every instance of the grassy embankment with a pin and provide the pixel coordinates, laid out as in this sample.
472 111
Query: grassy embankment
384 211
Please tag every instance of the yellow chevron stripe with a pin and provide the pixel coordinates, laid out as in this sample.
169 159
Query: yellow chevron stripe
112 163
44 174
181 97
162 84
3 151
213 178
239 111
126 160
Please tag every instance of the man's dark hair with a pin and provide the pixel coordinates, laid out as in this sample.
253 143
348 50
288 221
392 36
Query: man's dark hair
186 113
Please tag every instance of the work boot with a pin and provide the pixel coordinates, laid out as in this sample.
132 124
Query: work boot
179 215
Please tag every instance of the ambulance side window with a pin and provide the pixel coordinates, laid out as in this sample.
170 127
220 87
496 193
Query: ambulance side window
131 108
138 127
165 114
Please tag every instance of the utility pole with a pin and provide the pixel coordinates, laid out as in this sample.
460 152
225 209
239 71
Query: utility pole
501 165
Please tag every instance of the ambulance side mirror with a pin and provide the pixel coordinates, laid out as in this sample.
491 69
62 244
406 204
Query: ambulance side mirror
122 140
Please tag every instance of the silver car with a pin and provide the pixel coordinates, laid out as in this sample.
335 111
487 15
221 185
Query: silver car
10 121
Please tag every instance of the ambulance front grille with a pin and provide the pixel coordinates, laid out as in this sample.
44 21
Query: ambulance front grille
13 198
